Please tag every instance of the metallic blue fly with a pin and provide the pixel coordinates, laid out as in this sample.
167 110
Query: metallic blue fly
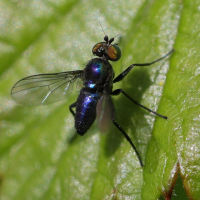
94 99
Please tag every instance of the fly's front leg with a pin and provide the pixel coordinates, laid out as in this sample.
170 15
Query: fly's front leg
125 72
118 91
71 110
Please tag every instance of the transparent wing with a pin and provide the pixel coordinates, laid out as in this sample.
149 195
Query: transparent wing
43 89
105 112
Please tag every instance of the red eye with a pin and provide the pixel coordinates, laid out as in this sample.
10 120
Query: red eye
97 47
114 53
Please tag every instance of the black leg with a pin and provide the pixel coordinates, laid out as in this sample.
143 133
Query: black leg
124 73
70 108
129 140
118 91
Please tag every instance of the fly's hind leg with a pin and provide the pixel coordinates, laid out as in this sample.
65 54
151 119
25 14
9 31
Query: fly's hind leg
129 140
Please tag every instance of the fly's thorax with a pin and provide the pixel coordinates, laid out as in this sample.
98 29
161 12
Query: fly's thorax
97 73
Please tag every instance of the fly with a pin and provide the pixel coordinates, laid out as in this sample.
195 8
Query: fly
94 100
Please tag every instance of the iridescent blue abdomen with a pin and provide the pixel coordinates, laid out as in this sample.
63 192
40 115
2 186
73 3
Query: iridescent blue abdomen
86 109
96 73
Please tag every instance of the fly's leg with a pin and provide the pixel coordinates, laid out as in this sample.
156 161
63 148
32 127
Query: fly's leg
129 140
71 140
118 91
71 110
125 72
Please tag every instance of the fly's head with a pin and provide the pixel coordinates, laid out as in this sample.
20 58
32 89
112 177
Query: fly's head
107 50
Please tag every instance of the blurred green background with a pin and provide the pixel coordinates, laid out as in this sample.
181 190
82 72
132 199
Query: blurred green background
40 155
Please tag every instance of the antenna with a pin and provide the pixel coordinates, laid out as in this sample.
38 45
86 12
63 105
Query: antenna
102 28
106 37
118 34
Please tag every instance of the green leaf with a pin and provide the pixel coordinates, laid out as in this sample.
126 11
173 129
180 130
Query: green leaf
41 156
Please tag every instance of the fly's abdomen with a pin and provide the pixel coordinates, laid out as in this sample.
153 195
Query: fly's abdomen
86 110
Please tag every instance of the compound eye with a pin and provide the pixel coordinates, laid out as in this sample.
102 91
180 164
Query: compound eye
97 48
114 53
